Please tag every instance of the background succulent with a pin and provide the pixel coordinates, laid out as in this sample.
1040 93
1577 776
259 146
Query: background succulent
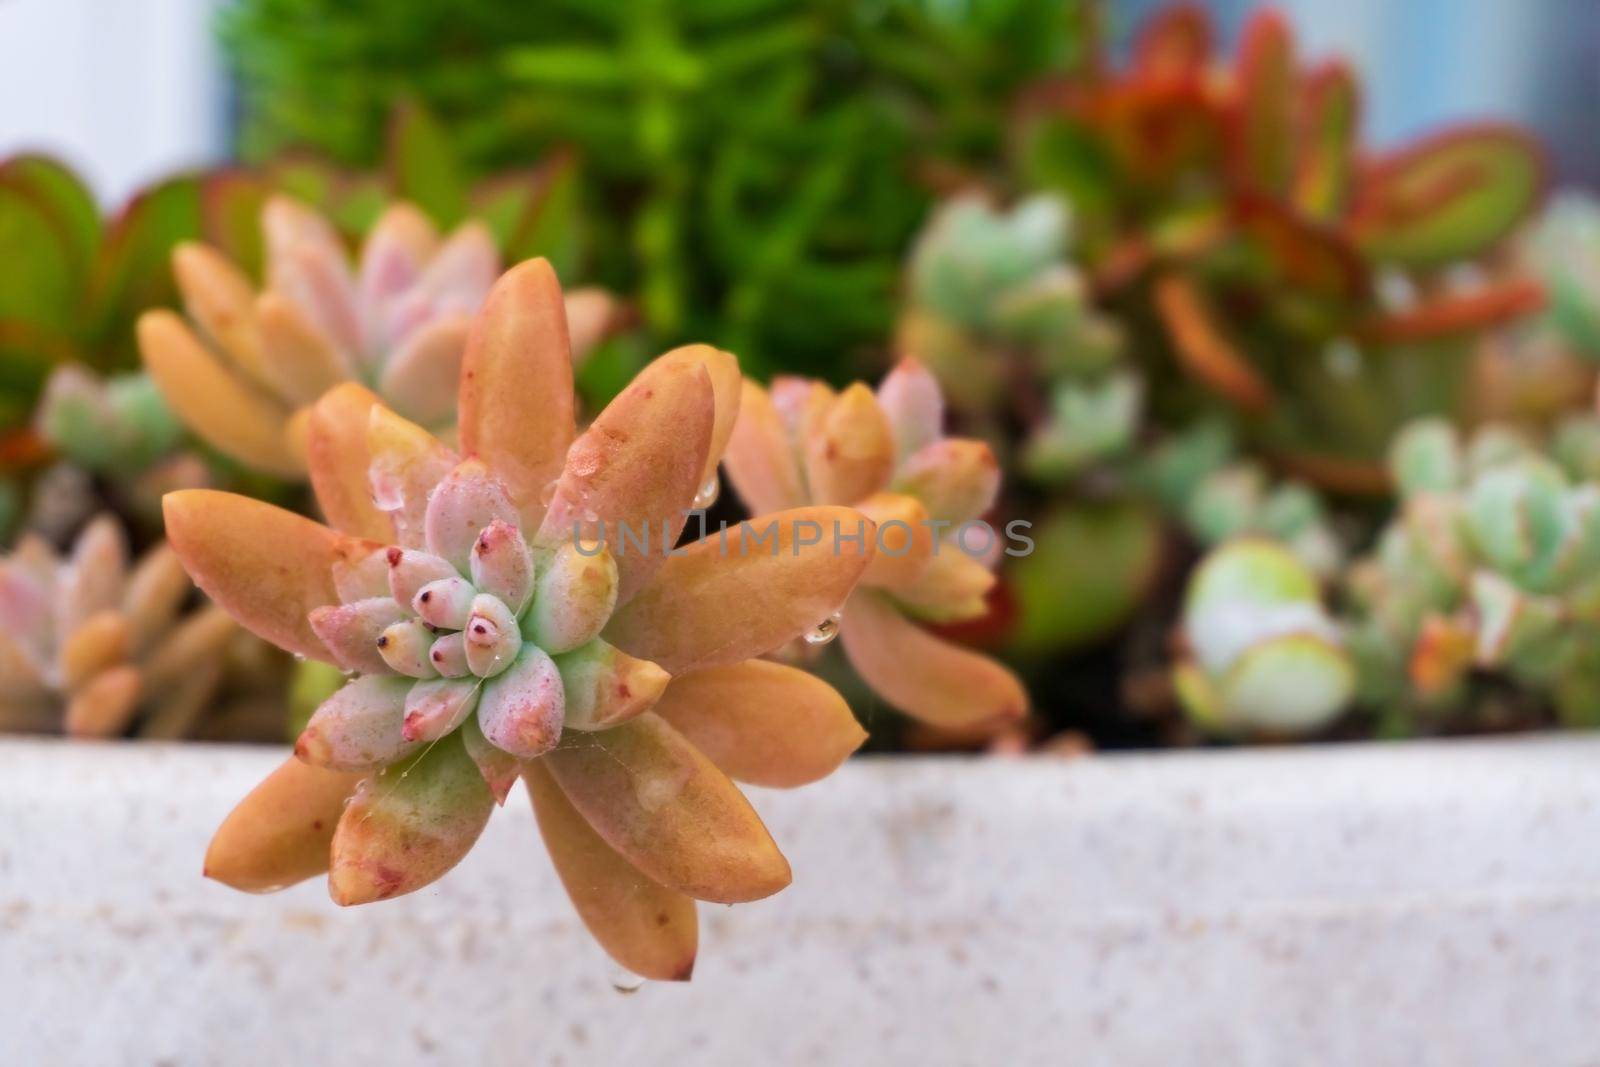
887 455
1259 257
1486 574
748 157
1263 655
96 647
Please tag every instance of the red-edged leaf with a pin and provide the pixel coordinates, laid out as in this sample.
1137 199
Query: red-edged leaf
1329 120
1450 195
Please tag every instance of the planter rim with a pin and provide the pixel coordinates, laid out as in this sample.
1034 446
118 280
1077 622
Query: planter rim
1425 902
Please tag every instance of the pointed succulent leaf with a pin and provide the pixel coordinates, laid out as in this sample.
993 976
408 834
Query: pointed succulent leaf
499 768
280 832
366 576
760 459
340 462
1175 42
520 710
491 635
405 647
639 466
105 705
358 728
952 588
411 569
726 387
446 603
747 590
849 455
297 361
502 565
577 593
466 501
407 827
957 479
351 631
646 927
904 543
517 360
267 567
236 419
449 656
420 379
925 676
1203 349
394 253
605 686
763 723
93 577
434 708
914 405
407 462
665 807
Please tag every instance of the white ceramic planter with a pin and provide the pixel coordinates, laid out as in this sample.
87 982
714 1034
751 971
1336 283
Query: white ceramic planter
1401 904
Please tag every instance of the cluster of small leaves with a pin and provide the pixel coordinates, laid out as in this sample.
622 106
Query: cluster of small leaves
1227 211
752 156
1490 571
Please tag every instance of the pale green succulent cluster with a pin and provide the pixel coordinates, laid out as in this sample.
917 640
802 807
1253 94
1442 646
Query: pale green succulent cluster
114 425
995 302
1263 656
1565 252
1492 565
1217 496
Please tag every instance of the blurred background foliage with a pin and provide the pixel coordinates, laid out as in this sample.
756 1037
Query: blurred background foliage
753 168
1162 269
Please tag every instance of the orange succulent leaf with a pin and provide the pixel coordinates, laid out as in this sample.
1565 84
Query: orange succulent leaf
1203 350
1449 195
1493 305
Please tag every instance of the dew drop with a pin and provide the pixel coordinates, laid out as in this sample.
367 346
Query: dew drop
708 494
625 981
824 631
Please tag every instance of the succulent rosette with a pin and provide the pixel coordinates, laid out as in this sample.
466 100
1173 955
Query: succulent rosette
92 644
886 454
243 372
496 628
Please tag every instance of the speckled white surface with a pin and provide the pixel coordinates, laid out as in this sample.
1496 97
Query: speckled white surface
1406 904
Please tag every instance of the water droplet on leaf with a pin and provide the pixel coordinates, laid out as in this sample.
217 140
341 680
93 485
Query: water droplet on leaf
625 981
708 494
824 631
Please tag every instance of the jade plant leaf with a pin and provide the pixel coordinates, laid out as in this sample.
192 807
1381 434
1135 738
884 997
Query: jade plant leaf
1448 196
1263 120
1331 116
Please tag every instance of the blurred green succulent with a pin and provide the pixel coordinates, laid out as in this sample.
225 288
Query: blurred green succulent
1263 655
1564 249
1261 265
760 162
1490 569
1217 496
71 284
